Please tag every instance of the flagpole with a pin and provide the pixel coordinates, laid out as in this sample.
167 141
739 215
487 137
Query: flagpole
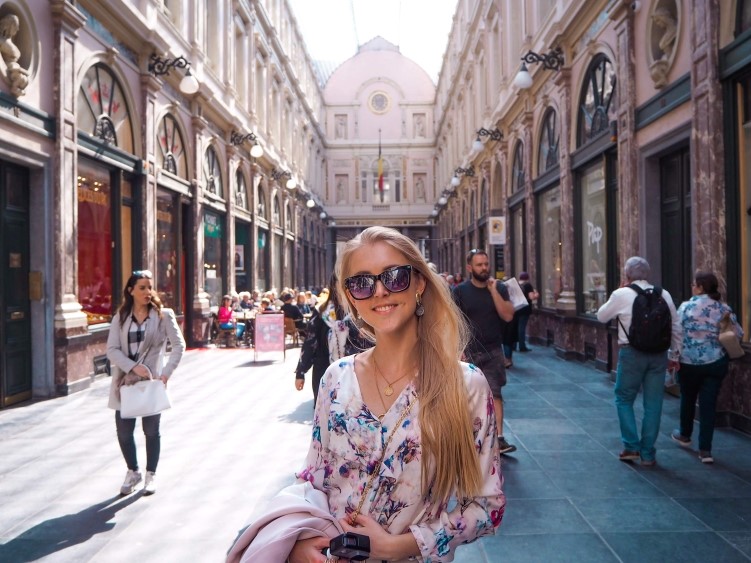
380 167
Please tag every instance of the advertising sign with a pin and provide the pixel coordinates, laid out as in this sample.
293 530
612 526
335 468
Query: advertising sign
269 336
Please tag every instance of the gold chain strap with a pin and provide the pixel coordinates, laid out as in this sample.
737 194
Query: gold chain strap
377 468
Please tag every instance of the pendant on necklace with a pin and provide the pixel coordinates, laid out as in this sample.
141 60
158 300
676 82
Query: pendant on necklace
388 391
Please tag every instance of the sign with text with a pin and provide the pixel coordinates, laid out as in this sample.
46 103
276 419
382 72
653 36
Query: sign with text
497 230
500 262
269 336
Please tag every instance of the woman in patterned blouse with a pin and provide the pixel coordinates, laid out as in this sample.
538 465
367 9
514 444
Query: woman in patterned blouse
704 362
411 383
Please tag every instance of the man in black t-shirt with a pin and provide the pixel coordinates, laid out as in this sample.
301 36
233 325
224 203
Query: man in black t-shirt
486 305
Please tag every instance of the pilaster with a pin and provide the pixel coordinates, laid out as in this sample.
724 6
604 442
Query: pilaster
566 304
707 147
69 319
629 191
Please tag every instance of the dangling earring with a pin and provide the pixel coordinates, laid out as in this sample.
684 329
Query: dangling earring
420 310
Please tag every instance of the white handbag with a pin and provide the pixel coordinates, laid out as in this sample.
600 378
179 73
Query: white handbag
144 398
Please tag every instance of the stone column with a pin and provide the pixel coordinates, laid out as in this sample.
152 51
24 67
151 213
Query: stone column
201 313
566 304
149 87
233 164
529 200
69 320
707 147
629 190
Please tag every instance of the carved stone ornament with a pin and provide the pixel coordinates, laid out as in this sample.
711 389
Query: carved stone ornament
663 31
12 72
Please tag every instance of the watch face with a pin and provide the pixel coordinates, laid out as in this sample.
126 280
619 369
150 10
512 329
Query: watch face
379 102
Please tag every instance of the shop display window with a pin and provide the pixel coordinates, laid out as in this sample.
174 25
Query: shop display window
212 257
95 243
549 218
593 235
167 267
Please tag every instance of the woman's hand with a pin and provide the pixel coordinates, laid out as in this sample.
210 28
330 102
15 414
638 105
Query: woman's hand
142 371
380 539
309 551
164 379
299 384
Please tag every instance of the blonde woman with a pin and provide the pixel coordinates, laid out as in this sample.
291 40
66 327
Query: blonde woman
411 384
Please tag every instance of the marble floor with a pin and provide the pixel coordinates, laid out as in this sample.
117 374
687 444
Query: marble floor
238 430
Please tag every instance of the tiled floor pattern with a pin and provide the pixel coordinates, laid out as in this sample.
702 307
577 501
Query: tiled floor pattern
239 429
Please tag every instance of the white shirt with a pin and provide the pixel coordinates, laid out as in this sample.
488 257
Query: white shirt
620 305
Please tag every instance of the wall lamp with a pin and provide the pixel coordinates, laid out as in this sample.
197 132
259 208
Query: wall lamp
238 139
459 171
159 67
279 174
494 135
311 203
550 61
445 196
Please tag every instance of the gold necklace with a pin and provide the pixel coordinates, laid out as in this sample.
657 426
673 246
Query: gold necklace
389 389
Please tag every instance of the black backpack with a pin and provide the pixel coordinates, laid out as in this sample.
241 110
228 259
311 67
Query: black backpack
651 322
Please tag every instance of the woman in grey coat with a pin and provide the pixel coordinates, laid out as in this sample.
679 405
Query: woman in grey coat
136 345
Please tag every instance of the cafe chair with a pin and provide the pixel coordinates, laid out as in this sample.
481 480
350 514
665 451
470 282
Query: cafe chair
290 329
226 336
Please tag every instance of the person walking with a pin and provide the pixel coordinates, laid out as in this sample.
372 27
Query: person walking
704 362
136 345
487 308
331 335
643 355
524 313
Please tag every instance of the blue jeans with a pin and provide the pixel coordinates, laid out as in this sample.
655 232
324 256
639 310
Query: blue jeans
523 319
702 381
125 428
646 371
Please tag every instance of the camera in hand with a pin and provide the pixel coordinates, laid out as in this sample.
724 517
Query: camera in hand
355 547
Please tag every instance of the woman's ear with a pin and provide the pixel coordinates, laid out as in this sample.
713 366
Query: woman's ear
422 283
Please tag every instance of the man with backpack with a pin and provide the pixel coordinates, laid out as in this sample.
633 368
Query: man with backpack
648 329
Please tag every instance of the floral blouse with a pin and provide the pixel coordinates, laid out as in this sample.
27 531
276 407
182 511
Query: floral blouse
348 441
700 317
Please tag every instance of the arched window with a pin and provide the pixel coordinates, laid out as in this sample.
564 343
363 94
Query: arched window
517 171
241 190
172 157
288 216
261 207
547 155
212 173
597 105
277 214
102 110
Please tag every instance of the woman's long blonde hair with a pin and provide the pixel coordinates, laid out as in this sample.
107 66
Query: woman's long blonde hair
445 420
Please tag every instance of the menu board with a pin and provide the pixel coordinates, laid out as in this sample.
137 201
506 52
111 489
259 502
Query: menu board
269 336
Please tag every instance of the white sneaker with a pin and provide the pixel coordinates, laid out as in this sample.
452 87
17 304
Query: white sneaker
132 478
149 486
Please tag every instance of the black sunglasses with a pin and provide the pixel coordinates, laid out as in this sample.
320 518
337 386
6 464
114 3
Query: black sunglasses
143 274
396 279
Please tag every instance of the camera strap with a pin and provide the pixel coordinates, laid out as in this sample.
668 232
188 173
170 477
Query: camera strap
377 467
